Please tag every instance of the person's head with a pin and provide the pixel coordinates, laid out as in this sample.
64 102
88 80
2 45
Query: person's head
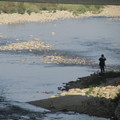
102 55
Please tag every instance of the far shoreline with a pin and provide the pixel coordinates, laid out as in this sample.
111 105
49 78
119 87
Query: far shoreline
46 16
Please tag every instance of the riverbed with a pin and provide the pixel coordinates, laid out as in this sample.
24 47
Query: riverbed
24 76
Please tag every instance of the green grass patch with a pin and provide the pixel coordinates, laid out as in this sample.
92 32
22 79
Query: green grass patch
89 91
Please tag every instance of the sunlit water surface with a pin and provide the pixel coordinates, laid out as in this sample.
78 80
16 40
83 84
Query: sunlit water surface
23 77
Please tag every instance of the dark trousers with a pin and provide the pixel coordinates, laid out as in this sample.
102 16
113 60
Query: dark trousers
102 68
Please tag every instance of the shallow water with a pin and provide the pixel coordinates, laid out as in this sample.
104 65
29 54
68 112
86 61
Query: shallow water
24 77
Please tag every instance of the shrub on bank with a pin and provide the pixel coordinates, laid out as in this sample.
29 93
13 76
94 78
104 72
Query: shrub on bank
21 7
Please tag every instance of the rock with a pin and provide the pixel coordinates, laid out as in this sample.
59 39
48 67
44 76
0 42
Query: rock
117 111
1 36
33 117
53 96
15 119
63 93
17 39
48 92
59 88
109 87
53 33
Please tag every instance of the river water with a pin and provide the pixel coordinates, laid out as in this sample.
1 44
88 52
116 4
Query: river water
24 77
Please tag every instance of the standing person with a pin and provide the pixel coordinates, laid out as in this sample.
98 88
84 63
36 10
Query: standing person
102 60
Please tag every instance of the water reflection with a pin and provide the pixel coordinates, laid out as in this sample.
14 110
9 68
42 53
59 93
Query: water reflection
22 72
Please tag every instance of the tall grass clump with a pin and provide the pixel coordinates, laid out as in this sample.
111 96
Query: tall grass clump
12 7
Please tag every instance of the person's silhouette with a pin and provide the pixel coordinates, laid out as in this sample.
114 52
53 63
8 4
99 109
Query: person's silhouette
102 60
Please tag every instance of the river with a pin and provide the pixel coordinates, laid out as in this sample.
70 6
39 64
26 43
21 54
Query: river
24 77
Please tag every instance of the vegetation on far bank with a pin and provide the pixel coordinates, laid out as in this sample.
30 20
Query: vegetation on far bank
21 7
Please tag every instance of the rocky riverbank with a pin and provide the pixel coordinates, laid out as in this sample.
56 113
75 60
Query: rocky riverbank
109 91
96 95
44 16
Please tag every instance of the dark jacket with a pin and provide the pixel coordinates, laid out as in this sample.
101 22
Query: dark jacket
102 61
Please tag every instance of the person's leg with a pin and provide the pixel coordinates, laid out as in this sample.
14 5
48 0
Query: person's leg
101 68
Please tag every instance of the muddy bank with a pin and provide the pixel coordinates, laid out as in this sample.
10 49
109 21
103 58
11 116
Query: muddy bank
95 95
81 104
44 16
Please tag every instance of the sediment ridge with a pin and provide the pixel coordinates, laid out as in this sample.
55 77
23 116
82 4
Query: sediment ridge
45 16
29 45
54 59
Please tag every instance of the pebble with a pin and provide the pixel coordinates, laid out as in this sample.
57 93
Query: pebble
1 36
